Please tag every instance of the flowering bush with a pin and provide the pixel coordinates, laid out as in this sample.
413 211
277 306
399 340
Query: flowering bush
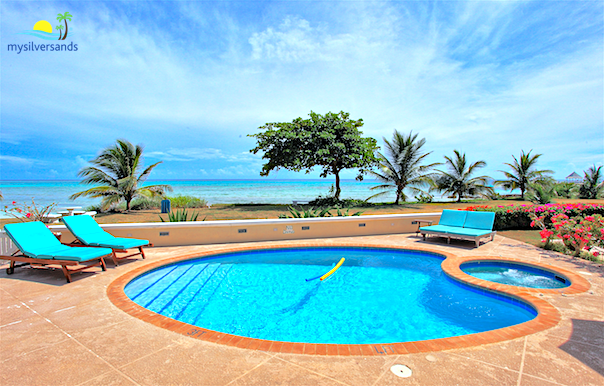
516 216
578 234
27 212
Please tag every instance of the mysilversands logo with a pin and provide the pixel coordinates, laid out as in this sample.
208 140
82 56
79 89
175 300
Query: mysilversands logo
43 30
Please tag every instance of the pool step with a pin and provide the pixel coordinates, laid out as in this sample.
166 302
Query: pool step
169 283
179 292
192 311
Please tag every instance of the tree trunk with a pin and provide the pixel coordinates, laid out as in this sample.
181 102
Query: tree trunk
66 29
399 192
60 34
338 190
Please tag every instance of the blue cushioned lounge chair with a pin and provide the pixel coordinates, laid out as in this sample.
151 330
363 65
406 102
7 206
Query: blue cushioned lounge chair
89 233
465 225
37 245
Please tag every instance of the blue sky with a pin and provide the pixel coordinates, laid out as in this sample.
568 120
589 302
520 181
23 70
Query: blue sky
189 80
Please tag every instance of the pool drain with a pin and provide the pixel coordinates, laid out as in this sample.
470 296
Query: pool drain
401 371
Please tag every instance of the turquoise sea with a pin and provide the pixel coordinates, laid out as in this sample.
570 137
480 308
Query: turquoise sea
214 191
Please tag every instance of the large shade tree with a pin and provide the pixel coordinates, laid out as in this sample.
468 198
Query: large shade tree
457 180
116 172
592 186
332 142
401 167
523 173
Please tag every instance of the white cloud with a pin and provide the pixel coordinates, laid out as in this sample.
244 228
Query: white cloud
191 89
18 160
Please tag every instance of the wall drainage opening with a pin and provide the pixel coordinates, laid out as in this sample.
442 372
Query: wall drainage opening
401 371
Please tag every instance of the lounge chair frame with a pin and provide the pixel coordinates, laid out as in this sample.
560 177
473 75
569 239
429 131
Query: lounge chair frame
26 260
114 257
464 225
450 236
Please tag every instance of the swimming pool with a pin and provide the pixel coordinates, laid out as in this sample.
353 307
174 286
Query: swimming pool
379 295
520 275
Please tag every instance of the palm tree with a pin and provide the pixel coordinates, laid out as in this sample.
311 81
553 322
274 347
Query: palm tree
115 172
457 180
60 28
402 168
66 16
592 186
523 173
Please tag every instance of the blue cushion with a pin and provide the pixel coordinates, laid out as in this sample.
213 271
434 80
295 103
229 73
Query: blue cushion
480 220
468 232
35 240
32 238
120 243
454 218
81 253
89 232
436 228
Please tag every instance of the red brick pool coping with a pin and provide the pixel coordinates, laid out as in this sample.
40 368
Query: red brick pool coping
548 316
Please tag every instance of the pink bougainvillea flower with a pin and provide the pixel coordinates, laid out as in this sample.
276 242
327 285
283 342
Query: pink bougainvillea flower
28 215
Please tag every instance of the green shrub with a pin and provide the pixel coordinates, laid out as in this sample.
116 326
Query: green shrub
146 203
318 212
565 189
187 202
323 202
423 198
96 208
541 194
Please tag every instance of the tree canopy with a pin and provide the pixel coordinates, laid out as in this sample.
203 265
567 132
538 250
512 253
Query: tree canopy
115 172
401 167
457 181
523 173
331 141
592 185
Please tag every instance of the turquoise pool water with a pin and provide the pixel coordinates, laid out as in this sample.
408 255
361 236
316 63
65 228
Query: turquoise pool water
514 274
377 296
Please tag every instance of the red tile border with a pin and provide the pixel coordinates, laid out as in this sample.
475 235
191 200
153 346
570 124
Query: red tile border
548 316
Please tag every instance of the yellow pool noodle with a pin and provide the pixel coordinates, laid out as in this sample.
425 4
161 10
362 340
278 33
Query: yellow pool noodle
333 269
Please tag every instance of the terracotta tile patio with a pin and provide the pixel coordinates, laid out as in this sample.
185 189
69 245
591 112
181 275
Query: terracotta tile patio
53 333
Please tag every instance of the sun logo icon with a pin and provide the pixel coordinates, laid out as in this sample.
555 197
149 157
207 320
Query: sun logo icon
43 29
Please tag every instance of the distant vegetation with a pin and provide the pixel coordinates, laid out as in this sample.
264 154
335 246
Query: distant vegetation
144 203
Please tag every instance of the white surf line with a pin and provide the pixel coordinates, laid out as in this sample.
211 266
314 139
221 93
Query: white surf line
78 342
64 309
10 324
522 361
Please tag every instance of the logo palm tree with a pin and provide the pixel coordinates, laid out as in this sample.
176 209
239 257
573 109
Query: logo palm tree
66 16
60 28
